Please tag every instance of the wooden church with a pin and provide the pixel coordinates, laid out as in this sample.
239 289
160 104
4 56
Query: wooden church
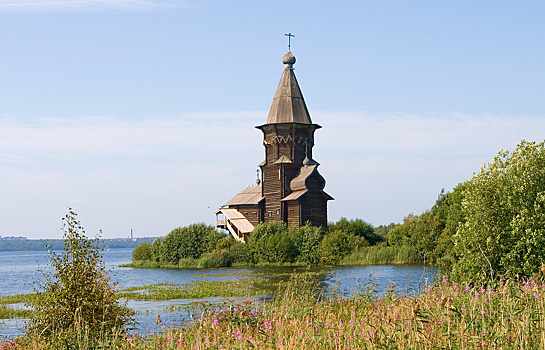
290 189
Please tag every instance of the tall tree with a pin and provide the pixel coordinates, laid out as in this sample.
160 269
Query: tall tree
504 210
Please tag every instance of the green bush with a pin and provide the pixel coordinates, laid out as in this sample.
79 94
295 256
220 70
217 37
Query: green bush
334 247
217 258
271 243
356 227
157 250
142 252
77 305
307 240
240 252
187 243
504 210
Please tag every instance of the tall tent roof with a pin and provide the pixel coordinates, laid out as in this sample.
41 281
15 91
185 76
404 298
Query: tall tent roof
288 104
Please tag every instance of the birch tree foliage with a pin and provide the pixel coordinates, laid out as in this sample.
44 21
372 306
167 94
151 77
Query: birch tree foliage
503 235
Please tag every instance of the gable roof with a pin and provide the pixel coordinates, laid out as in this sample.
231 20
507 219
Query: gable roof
249 195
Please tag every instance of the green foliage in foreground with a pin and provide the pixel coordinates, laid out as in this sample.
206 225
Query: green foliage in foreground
77 300
449 315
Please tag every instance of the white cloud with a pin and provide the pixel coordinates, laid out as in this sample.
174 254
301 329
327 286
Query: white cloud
154 175
86 5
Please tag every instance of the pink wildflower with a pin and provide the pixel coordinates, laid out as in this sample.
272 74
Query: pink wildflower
444 280
216 321
468 288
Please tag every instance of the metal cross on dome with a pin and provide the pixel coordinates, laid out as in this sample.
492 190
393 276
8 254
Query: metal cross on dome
289 35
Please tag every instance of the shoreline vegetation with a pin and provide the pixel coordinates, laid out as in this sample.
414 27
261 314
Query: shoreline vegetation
504 315
374 255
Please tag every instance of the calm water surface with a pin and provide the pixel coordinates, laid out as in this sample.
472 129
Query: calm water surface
18 271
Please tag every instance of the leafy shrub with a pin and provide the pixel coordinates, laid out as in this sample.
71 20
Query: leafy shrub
157 250
217 258
240 253
186 243
334 247
504 210
77 304
356 227
271 243
306 240
143 252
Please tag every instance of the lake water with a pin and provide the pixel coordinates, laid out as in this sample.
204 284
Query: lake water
18 271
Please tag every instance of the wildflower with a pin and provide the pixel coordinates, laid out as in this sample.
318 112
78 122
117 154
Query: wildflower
279 342
216 321
160 346
523 283
169 339
455 287
444 280
2 347
476 294
463 305
428 290
308 324
468 288
501 280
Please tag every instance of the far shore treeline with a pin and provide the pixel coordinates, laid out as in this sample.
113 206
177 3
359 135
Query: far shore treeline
57 244
489 227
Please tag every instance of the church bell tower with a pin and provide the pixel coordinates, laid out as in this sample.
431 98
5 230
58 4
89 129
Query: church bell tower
290 189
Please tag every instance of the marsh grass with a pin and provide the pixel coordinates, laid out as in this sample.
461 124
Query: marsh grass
7 312
376 255
447 315
200 289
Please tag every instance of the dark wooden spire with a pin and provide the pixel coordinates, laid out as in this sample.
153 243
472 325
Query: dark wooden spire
288 104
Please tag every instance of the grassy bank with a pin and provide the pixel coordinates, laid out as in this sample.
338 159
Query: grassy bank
510 315
373 255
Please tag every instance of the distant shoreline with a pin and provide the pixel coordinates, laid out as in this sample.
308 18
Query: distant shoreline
56 244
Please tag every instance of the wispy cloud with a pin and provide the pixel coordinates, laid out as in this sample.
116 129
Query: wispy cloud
155 174
87 5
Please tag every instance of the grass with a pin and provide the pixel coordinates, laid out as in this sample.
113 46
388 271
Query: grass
200 289
449 315
378 255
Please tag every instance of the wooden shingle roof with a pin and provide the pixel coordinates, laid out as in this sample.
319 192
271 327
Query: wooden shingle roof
249 195
288 105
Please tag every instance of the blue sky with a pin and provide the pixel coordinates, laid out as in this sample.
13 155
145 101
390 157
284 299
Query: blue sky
140 113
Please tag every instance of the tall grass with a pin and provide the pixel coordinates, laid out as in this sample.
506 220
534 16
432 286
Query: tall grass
449 315
375 255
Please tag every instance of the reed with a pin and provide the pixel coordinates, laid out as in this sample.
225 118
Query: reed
448 315
377 255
